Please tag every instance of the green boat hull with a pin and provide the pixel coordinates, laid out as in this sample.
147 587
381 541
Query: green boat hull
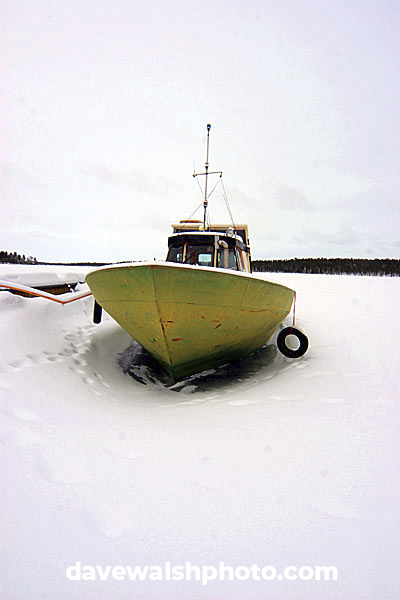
191 318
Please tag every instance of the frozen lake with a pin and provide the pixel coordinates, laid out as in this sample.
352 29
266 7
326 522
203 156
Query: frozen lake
268 462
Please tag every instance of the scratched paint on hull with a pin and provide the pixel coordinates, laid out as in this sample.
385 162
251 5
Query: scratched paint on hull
191 318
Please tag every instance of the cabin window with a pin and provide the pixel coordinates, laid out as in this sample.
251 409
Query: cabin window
200 255
232 262
175 254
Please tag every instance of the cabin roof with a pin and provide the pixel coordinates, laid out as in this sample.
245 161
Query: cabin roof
207 233
197 227
206 237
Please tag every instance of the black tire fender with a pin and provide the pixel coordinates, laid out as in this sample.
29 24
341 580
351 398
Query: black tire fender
285 350
97 310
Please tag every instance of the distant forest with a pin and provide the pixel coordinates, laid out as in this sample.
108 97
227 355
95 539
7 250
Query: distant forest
17 259
328 266
331 266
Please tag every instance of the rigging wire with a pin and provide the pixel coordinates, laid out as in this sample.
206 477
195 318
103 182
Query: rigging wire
225 197
207 218
193 213
200 188
220 179
227 205
198 182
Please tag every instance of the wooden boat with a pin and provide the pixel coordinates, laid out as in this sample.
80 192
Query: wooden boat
202 307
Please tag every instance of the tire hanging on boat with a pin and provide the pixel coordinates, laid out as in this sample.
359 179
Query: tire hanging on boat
284 348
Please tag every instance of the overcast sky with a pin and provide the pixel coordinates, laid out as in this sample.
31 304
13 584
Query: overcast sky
104 108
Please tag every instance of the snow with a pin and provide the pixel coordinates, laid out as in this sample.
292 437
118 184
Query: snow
268 462
31 278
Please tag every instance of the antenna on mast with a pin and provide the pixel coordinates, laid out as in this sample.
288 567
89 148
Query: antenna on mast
207 173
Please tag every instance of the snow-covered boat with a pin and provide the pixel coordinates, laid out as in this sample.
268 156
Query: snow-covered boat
202 307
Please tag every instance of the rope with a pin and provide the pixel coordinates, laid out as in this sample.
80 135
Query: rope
294 312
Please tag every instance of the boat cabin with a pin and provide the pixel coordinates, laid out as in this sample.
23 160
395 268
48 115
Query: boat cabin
220 246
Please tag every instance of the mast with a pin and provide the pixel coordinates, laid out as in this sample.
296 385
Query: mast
205 203
207 173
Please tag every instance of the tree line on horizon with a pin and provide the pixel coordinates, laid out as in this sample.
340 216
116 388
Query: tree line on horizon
16 259
321 266
330 266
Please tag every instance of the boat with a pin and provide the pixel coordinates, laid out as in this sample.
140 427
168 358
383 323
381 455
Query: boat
201 308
